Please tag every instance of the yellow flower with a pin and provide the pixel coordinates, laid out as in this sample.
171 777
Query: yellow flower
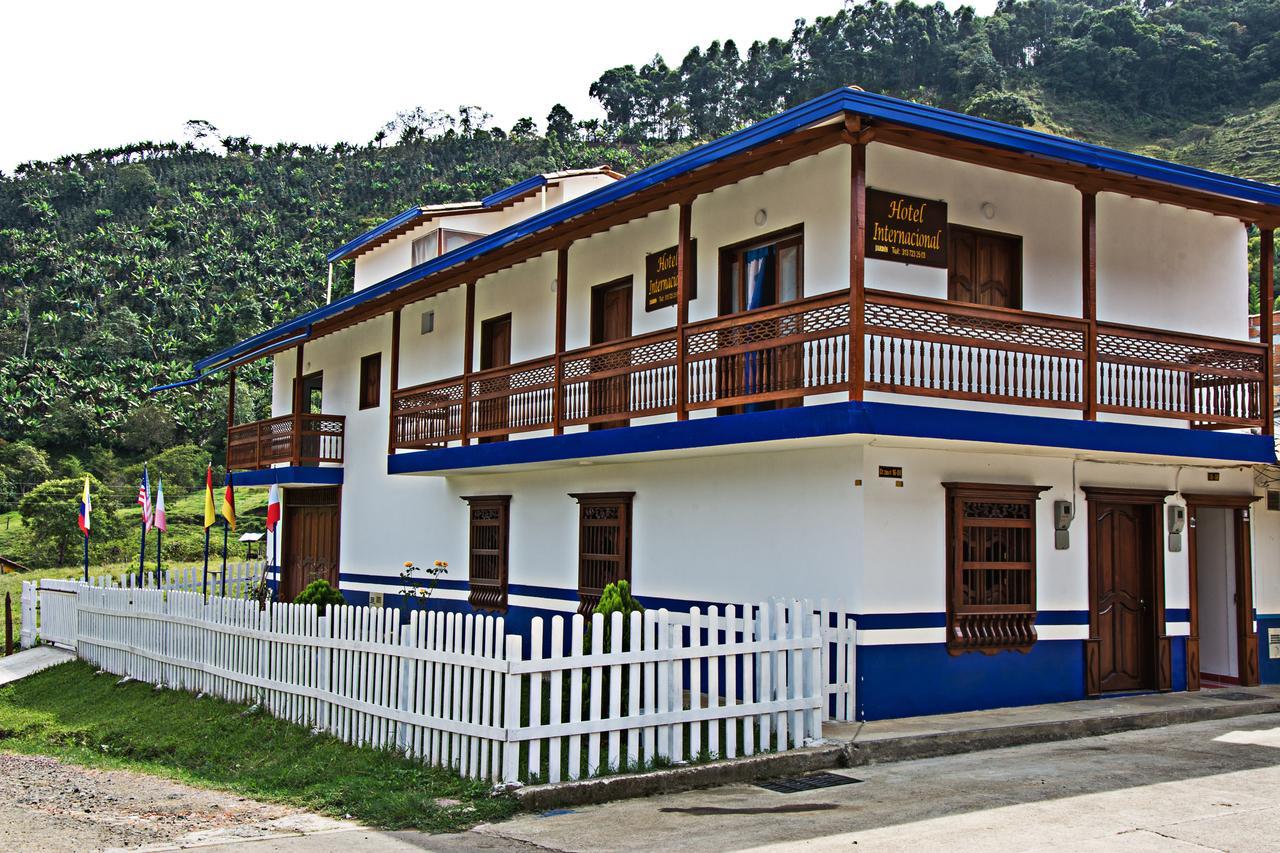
408 564
441 564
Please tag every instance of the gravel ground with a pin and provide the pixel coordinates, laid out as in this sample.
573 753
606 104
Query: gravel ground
48 805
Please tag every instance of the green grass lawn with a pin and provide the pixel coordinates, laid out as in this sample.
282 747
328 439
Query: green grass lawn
69 713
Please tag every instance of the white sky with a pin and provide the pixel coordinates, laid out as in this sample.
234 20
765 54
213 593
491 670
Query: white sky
84 75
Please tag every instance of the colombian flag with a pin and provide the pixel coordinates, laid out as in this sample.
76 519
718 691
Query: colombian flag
85 508
229 504
209 515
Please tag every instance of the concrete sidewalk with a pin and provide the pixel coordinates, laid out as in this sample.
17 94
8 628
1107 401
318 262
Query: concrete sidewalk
884 741
29 661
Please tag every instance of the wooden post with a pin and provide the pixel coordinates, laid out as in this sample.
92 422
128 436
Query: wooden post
562 308
1266 324
8 625
393 376
857 266
295 443
231 415
1089 300
468 345
684 268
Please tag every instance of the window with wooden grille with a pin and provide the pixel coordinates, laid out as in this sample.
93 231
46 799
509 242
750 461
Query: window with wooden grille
370 381
604 544
991 566
487 552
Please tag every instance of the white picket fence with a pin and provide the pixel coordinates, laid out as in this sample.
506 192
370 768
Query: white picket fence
241 577
458 691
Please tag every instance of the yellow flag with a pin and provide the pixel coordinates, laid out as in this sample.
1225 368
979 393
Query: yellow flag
209 515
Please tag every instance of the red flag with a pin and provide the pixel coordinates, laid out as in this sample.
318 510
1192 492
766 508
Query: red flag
273 507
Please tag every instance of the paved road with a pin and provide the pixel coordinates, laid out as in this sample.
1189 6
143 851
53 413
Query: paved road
1203 786
1200 786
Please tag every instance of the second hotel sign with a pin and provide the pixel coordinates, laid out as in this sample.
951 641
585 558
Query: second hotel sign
906 229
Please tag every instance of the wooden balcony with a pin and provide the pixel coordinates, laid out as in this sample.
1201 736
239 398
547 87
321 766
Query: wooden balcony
911 345
289 439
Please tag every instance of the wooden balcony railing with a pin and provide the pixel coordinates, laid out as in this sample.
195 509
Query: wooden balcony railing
911 345
291 439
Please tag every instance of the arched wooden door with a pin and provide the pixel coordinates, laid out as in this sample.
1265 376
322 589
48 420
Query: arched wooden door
312 518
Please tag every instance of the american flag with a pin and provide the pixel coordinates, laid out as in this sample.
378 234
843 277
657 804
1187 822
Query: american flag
144 499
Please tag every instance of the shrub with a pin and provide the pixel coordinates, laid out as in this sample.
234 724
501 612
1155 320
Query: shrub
1007 107
617 598
321 594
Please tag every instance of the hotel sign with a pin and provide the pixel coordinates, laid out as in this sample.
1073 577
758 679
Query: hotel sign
906 229
660 282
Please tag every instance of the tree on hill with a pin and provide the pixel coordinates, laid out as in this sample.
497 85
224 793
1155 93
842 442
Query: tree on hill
49 513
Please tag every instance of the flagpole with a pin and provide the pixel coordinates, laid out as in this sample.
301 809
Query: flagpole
159 539
204 582
142 553
86 558
226 533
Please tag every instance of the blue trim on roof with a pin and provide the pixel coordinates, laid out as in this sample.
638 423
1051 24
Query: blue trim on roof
823 107
374 233
514 191
291 475
833 419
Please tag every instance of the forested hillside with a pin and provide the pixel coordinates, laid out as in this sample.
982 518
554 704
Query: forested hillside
118 267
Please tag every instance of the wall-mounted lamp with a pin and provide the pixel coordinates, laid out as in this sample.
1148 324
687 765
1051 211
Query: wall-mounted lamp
762 216
988 210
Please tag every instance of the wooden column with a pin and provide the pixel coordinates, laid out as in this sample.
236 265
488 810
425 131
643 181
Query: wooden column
468 345
1266 323
857 266
295 443
1089 299
562 308
231 399
393 376
684 268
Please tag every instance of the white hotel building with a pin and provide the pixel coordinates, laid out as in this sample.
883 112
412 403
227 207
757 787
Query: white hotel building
1017 430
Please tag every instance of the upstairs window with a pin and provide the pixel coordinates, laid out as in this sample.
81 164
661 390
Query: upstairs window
604 544
991 567
487 551
425 248
439 242
370 381
984 267
762 272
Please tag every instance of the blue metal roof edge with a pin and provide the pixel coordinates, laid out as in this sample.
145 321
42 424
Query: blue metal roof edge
823 107
514 191
374 233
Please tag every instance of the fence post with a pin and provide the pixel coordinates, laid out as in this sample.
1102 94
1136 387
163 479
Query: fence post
8 625
27 636
322 708
407 638
511 713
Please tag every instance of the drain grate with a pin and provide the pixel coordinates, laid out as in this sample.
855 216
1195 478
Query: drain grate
811 782
1234 696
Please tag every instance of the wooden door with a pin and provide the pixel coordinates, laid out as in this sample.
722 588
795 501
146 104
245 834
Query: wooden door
311 525
610 321
312 404
1122 563
495 351
984 268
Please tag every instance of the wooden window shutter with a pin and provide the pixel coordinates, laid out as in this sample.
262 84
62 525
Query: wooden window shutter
604 544
371 381
991 567
488 536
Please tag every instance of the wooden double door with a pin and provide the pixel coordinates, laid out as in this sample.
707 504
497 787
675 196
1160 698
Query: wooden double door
1127 649
312 518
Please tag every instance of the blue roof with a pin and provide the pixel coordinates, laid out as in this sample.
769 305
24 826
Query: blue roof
374 233
514 191
867 104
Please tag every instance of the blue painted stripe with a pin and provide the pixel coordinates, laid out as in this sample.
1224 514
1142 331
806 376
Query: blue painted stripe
1177 614
816 110
832 419
293 475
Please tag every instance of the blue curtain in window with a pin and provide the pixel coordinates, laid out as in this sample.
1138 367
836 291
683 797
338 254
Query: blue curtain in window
759 266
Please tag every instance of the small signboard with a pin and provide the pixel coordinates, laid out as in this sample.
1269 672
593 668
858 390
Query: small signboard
906 229
1273 643
891 472
660 283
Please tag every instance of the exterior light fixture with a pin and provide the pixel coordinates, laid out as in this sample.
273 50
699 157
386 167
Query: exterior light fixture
988 210
762 216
